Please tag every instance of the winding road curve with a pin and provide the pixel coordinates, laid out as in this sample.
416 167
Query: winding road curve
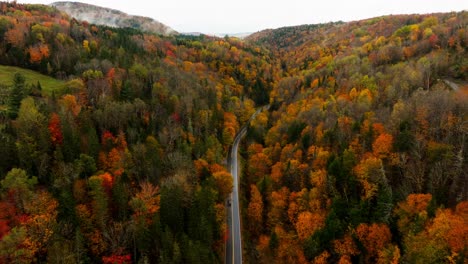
234 239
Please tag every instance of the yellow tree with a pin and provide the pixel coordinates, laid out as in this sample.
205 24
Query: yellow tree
259 166
277 172
41 222
345 247
322 258
146 201
412 213
278 201
374 238
382 145
289 249
70 104
451 228
255 210
37 53
34 231
307 223
390 255
370 173
224 183
231 127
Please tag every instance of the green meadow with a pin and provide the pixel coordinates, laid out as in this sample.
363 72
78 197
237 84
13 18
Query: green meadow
48 84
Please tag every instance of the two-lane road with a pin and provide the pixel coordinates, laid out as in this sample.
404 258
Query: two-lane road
234 241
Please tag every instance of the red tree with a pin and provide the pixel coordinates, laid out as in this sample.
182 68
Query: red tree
116 259
55 129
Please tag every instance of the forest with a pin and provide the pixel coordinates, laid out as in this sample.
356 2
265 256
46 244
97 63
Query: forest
114 150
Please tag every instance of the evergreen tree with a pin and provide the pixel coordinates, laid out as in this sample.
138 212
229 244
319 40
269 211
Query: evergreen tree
126 91
172 212
17 94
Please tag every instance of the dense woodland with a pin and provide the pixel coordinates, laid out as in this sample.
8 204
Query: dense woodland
361 157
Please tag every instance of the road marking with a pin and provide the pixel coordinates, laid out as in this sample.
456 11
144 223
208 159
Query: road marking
235 176
232 231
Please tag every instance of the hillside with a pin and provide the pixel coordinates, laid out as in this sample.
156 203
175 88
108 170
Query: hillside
47 83
125 164
289 37
360 158
112 18
365 144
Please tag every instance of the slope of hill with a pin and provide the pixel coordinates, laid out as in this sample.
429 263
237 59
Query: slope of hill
364 139
112 18
288 37
126 164
47 83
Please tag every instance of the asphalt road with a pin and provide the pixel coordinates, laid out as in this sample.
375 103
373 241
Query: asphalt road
451 84
234 235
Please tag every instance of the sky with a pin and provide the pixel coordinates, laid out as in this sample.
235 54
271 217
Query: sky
240 16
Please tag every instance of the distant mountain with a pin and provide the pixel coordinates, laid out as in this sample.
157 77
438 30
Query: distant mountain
111 17
237 35
195 34
219 35
292 36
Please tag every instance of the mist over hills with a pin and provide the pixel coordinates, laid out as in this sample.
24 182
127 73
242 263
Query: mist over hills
111 17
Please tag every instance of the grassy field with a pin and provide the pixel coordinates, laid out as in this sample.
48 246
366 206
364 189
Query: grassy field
48 84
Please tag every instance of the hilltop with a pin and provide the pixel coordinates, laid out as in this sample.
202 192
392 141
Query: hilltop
112 18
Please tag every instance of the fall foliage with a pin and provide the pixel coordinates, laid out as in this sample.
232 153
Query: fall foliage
55 130
360 156
255 210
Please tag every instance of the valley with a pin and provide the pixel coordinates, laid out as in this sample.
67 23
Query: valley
121 143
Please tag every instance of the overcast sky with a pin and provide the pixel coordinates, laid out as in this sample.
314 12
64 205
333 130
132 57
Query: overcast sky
236 16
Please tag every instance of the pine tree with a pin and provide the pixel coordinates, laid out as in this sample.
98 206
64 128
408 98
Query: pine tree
17 94
126 91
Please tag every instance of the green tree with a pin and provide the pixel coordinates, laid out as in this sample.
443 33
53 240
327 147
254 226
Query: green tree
17 94
20 185
7 149
33 142
172 212
12 249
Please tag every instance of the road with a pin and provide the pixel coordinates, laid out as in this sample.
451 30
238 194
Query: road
451 84
234 238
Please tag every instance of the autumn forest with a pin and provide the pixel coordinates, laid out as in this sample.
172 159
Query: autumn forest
113 141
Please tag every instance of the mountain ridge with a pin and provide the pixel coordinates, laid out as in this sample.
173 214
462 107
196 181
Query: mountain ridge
111 17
